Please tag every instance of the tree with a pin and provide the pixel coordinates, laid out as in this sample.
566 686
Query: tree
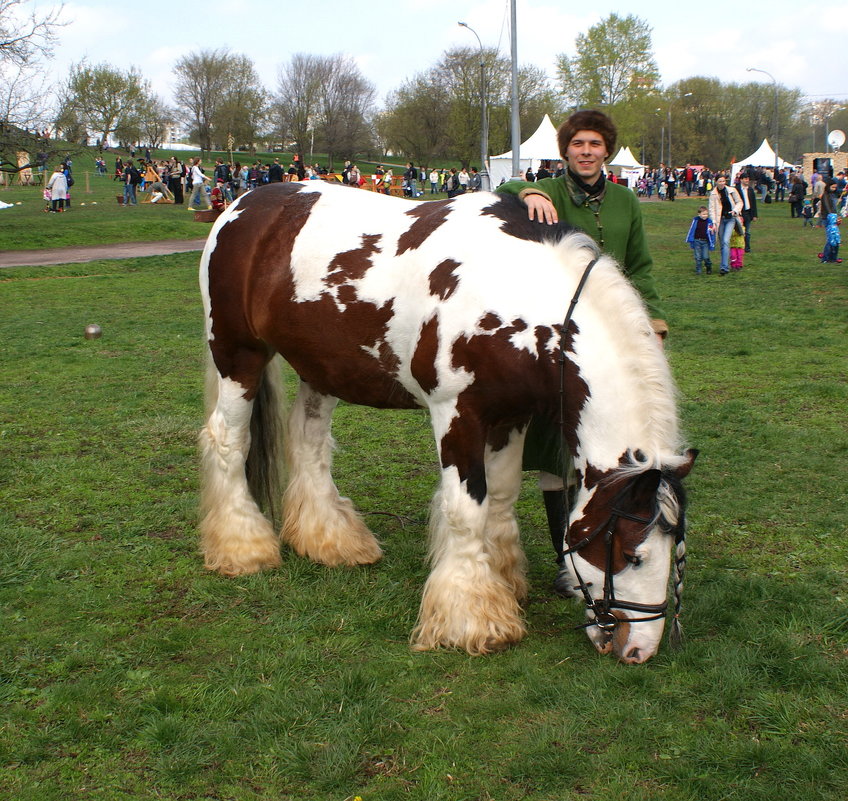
613 63
295 107
345 108
437 113
26 37
218 95
105 100
241 111
155 117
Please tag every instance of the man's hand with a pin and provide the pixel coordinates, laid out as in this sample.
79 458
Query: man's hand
540 208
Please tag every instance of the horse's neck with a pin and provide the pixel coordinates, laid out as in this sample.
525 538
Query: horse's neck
628 407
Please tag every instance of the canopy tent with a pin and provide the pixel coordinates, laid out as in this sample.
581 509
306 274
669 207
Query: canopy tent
624 158
541 146
763 157
629 169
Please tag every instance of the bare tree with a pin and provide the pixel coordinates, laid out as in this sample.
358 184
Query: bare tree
326 97
201 78
155 117
26 36
346 102
217 95
294 111
437 113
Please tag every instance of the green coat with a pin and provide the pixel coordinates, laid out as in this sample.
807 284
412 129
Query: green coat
623 234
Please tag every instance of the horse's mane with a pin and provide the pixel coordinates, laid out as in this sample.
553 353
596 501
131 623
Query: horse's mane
620 306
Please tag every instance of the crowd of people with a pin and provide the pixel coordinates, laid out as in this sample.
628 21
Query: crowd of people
732 210
725 221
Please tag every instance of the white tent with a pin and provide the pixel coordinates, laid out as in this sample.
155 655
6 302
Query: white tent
629 169
762 157
624 158
540 147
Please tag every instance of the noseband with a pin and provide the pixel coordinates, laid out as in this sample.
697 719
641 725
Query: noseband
602 608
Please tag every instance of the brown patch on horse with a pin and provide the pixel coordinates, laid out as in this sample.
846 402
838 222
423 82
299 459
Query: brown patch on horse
510 384
444 280
335 342
423 365
514 221
428 217
353 264
263 236
490 322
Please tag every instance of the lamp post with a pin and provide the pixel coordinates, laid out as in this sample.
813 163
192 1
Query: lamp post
484 121
670 163
776 122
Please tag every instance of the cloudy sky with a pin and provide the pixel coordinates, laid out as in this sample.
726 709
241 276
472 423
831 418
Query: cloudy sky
393 39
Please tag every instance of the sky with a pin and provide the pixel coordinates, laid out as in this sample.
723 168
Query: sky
392 40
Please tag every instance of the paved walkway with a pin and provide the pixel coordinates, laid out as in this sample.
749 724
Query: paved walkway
75 255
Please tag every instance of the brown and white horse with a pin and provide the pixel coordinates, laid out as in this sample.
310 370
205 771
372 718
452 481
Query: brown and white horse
457 307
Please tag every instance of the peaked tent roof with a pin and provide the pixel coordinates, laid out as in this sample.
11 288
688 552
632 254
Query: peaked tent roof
541 145
763 156
624 158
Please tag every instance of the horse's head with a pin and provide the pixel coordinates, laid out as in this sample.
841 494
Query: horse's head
617 556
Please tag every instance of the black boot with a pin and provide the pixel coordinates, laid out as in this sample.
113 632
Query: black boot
555 510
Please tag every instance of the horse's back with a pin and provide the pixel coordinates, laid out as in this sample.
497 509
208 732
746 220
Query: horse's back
378 300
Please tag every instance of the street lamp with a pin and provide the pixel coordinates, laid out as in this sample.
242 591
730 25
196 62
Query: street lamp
484 121
670 162
776 123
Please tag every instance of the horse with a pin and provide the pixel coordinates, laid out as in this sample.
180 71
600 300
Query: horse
456 306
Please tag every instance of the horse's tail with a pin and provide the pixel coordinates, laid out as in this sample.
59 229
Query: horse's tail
265 465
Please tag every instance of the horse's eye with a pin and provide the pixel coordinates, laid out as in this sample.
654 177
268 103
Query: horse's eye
633 559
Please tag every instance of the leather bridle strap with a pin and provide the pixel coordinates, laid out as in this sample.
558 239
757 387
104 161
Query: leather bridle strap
602 608
563 445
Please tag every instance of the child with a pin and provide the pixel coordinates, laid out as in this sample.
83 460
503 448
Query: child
807 214
48 198
218 201
737 248
830 218
701 239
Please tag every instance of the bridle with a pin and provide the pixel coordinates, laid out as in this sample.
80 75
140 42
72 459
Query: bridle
601 608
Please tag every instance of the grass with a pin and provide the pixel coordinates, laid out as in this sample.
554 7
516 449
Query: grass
128 672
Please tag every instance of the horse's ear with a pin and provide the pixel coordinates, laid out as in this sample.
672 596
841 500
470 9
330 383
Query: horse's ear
644 488
686 467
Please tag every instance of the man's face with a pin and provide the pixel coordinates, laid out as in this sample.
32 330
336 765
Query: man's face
586 153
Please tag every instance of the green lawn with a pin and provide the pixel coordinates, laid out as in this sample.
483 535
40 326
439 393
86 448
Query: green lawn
128 672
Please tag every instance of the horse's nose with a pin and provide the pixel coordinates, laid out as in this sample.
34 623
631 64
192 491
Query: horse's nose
635 656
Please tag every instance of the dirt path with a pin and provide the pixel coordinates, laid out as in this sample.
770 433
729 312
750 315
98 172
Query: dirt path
75 255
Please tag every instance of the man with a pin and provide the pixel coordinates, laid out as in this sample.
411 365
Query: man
749 207
688 179
275 172
132 178
611 215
